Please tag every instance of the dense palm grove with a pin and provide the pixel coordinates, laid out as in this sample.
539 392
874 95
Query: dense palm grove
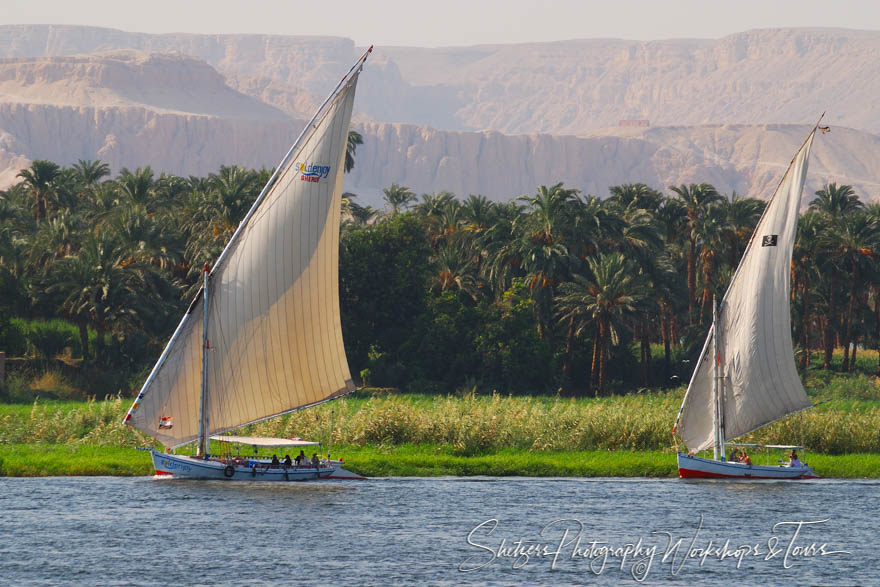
553 290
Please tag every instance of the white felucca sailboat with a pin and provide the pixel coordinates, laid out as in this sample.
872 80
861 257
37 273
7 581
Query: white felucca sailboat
746 376
263 337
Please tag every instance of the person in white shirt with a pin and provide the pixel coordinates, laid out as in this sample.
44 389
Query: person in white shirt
793 460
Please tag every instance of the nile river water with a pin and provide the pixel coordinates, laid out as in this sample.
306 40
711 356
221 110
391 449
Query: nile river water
122 531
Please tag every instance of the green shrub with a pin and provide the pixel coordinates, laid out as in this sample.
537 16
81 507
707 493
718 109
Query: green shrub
49 338
12 339
15 389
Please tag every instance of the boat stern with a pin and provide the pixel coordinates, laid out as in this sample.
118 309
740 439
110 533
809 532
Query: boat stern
340 472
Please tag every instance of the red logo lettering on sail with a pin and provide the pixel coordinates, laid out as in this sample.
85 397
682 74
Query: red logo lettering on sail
312 172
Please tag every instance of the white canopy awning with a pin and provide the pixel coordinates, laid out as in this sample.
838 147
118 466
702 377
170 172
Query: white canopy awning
263 441
775 446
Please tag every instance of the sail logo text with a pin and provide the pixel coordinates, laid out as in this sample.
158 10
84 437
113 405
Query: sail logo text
312 171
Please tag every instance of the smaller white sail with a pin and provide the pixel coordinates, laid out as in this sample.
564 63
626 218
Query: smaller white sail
759 381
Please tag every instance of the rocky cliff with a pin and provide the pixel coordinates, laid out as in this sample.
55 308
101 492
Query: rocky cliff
571 87
746 159
164 83
181 115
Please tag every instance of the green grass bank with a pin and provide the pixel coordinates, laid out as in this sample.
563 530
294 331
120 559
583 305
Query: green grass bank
41 460
382 433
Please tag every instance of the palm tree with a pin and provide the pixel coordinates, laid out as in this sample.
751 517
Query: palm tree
499 249
456 270
144 240
836 201
550 208
136 187
542 248
711 228
432 204
635 195
639 240
742 215
169 189
89 173
805 271
873 211
398 197
39 180
351 145
833 202
237 189
66 192
13 254
601 303
695 198
448 221
100 285
478 211
353 212
56 238
856 238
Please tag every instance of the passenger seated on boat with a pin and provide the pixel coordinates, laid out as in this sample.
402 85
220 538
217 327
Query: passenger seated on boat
287 461
300 459
794 461
734 456
744 459
275 464
315 461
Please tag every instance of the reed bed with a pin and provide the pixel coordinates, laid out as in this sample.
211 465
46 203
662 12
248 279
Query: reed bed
465 425
94 423
474 425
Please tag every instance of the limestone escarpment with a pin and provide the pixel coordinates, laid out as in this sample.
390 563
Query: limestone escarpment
567 87
181 115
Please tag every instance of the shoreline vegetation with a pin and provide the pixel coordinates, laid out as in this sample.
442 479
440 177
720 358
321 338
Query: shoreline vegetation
48 460
382 433
585 312
61 460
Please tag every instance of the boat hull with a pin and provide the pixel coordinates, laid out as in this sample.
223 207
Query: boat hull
691 467
184 467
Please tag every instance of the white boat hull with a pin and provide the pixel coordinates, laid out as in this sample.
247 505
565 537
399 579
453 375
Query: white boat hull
691 467
184 467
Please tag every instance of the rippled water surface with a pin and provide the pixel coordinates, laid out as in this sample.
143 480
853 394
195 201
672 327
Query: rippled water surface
391 531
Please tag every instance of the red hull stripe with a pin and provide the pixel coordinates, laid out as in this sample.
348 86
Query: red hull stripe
163 473
692 474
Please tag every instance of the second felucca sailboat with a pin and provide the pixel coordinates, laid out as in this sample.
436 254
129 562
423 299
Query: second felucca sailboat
746 377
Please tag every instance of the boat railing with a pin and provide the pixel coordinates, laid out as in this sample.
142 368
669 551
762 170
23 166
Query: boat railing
770 447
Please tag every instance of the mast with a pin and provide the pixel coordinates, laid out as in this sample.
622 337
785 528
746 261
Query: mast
716 400
202 445
717 387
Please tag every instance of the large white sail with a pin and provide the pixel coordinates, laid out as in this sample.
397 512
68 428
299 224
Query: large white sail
274 328
759 381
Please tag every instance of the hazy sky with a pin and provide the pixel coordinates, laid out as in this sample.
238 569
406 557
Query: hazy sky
449 22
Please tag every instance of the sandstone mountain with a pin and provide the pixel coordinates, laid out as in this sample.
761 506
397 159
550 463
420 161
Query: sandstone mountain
207 100
569 87
124 79
746 159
